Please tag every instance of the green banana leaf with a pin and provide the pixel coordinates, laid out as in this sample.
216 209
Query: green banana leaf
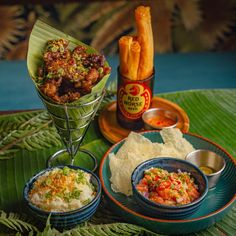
25 151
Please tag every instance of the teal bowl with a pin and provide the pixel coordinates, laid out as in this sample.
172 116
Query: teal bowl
162 211
69 219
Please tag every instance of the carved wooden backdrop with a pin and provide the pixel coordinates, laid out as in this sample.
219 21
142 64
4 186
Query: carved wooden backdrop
178 25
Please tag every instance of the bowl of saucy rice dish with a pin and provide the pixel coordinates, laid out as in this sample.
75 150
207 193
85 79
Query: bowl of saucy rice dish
169 188
69 194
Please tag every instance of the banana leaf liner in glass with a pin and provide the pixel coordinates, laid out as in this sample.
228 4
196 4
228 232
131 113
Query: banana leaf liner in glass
70 119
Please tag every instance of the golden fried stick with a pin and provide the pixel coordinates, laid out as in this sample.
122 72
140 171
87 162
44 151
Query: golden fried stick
133 61
124 47
145 38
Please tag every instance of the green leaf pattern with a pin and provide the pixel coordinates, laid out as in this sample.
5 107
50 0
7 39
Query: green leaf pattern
29 130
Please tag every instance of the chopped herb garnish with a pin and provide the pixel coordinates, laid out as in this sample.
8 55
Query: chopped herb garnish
48 195
66 170
87 201
48 181
76 193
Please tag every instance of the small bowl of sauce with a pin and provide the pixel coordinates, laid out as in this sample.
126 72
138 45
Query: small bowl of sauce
207 170
158 118
210 163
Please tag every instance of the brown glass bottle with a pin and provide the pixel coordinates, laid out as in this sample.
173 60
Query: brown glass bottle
133 98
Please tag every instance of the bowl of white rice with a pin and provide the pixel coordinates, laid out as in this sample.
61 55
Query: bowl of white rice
70 195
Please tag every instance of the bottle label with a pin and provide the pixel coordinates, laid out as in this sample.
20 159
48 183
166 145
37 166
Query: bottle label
133 99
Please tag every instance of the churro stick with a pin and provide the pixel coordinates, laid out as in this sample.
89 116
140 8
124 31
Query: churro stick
133 61
124 47
145 38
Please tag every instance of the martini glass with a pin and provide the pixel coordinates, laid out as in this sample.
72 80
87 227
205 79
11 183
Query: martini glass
72 123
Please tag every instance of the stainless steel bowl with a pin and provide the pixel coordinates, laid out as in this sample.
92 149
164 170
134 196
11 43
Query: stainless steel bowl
208 160
161 113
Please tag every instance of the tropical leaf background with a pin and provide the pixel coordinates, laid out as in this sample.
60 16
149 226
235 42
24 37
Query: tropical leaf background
178 25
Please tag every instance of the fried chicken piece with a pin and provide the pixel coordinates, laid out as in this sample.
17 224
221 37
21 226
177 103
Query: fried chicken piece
93 76
60 90
66 75
57 45
86 86
56 49
70 97
50 88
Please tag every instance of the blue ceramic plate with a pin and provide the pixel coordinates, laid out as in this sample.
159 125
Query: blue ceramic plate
217 203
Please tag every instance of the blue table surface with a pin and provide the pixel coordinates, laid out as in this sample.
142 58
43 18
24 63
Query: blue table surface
174 72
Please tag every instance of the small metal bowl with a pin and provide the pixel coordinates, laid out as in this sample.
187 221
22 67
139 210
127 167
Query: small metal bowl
160 113
208 160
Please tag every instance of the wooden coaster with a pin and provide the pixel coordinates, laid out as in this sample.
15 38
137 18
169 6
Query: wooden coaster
113 132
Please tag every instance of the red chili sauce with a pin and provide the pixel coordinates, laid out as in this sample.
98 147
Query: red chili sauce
160 121
166 188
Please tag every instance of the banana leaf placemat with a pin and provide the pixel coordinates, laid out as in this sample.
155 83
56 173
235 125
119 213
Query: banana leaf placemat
27 139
